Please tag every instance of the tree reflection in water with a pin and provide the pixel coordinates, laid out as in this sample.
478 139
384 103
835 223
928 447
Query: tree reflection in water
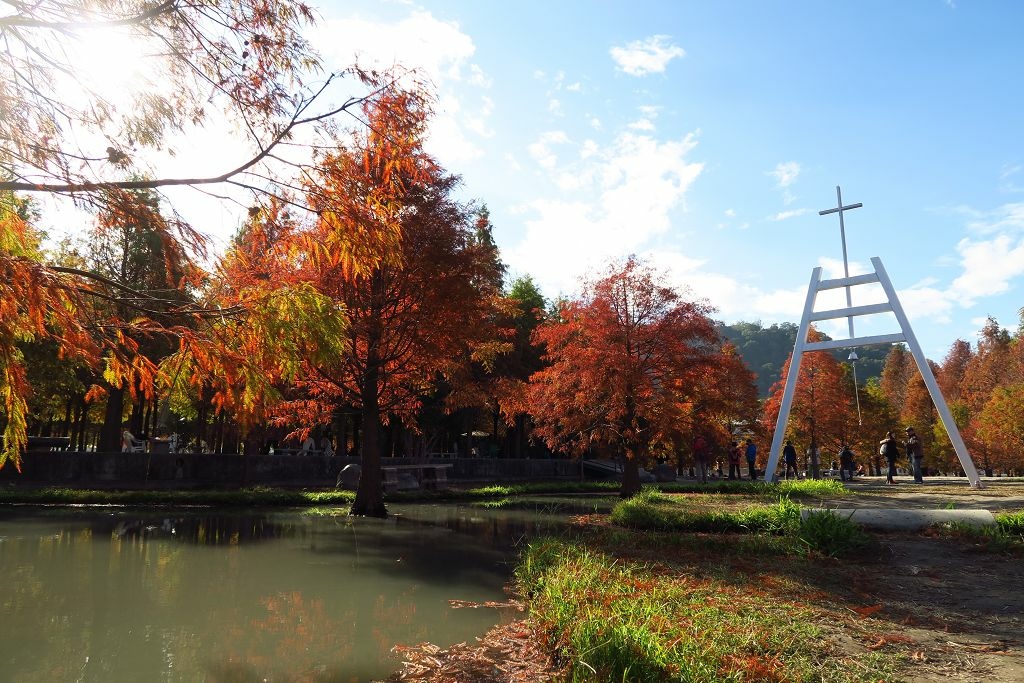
232 596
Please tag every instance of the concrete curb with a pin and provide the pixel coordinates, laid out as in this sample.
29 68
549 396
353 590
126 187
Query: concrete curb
907 519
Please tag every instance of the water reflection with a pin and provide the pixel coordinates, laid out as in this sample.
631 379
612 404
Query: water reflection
276 596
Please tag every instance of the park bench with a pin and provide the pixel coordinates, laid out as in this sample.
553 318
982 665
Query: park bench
434 477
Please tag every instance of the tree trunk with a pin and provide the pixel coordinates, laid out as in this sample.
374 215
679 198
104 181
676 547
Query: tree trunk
110 434
630 476
370 492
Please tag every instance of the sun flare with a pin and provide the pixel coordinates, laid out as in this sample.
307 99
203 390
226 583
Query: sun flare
113 62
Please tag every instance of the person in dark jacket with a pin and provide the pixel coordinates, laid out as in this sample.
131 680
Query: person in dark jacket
789 453
751 459
846 463
914 454
890 450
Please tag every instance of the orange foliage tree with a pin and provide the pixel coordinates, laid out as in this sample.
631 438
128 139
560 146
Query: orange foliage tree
822 413
396 255
628 361
64 136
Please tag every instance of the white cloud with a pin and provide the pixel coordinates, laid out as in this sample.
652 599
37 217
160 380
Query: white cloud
440 52
731 213
555 107
783 215
642 57
785 173
574 87
927 303
612 200
541 151
642 124
1008 217
595 123
989 266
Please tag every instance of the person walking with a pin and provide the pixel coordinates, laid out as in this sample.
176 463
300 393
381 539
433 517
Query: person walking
789 454
845 463
914 454
734 461
889 449
752 459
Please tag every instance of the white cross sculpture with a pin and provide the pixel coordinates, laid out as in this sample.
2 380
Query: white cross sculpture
906 335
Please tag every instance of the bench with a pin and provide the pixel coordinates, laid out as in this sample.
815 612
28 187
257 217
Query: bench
47 443
433 477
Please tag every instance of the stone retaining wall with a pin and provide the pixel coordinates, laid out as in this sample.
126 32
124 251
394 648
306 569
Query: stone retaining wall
59 467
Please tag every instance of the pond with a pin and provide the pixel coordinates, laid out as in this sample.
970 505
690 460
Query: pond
119 594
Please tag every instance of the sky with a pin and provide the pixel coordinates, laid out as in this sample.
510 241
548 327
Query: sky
706 137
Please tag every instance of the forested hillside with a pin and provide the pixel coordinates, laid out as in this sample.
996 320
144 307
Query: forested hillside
765 349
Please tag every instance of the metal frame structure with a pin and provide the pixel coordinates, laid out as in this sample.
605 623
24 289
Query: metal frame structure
905 335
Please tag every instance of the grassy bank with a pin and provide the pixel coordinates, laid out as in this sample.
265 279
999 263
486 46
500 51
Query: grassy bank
683 618
262 495
254 497
819 531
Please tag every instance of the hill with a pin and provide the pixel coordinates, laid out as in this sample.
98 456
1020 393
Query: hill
765 350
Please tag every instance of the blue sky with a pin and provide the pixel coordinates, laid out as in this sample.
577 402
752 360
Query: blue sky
706 136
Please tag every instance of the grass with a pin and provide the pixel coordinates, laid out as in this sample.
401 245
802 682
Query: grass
616 620
255 496
263 495
1006 536
825 532
804 488
820 531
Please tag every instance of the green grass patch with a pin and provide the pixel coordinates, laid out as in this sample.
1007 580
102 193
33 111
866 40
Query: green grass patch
656 511
251 497
804 488
618 620
820 531
825 532
1011 522
1006 536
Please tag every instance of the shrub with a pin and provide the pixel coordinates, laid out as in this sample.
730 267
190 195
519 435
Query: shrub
830 534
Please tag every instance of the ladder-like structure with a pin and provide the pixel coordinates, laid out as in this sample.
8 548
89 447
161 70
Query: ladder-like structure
906 335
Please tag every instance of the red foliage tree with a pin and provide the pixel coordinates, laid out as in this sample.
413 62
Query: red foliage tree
628 360
822 413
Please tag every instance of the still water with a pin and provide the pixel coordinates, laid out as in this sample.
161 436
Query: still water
111 594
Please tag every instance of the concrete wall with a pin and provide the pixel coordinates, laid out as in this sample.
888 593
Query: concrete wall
65 468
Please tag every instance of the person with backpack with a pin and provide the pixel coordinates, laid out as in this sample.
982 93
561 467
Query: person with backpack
734 460
890 450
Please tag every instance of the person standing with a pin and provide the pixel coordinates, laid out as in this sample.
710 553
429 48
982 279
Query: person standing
752 459
701 457
814 463
846 463
789 454
914 454
734 460
889 449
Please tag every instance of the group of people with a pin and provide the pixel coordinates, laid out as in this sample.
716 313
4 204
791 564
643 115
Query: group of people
889 448
705 460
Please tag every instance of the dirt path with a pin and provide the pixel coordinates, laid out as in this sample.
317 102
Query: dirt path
872 492
960 608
